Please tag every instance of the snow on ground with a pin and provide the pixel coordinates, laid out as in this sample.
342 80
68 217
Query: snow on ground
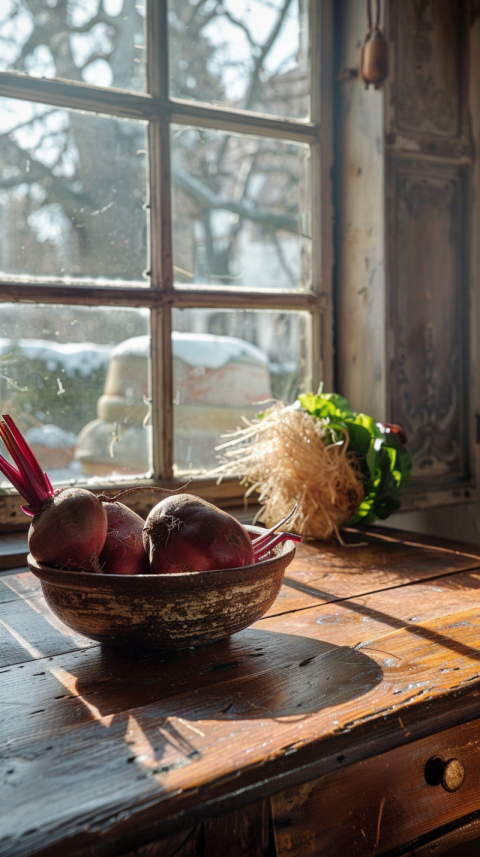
198 349
51 436
76 357
195 349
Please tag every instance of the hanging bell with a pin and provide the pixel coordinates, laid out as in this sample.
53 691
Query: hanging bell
374 55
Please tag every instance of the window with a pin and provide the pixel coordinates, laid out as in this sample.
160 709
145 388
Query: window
165 245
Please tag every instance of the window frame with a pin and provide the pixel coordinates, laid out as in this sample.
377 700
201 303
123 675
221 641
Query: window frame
160 111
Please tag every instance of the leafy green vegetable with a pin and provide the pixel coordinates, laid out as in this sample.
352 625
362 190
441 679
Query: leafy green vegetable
384 462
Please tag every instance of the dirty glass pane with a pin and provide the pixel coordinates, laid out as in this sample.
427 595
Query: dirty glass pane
100 42
75 379
72 194
241 210
250 55
226 363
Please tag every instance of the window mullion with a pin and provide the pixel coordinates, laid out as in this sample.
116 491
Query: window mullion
222 119
246 299
72 95
157 49
161 378
46 293
161 393
322 207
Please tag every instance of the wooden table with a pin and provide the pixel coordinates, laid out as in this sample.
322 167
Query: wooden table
309 733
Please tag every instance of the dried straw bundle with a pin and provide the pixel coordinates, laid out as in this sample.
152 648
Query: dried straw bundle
284 458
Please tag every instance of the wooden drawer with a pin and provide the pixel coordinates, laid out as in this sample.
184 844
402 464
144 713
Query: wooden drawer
381 803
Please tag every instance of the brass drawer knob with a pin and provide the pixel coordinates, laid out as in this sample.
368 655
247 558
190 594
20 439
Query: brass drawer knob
449 773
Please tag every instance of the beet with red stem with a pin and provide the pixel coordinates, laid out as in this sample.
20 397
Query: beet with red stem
185 533
69 526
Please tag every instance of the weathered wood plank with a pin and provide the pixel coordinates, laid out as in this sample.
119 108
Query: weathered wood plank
204 746
428 49
184 843
75 682
18 584
147 743
380 803
328 572
239 833
29 630
410 537
13 550
256 674
427 315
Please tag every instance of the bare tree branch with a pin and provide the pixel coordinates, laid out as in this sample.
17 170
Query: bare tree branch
241 25
206 198
264 53
99 55
59 189
33 119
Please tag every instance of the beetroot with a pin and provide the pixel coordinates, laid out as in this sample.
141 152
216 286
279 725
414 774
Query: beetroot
69 526
69 531
123 552
73 529
185 533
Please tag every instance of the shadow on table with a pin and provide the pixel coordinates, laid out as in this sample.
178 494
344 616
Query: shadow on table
398 624
254 674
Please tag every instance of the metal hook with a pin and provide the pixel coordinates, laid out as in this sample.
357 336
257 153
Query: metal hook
369 15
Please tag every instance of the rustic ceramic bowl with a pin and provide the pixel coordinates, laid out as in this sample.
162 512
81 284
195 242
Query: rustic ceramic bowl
164 611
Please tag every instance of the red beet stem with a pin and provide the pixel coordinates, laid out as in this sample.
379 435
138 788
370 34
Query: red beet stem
264 537
29 480
264 549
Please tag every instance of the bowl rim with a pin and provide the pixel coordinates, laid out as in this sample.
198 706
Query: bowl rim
215 578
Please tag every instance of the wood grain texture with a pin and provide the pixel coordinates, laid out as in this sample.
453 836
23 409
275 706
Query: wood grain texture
370 563
428 154
185 843
233 834
241 834
456 841
132 748
427 315
13 550
19 584
381 803
29 630
360 231
428 42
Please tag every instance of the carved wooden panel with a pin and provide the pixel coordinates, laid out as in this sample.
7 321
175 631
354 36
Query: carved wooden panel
427 35
427 306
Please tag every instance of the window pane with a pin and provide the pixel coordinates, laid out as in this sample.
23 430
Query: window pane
72 194
225 363
240 210
75 379
252 56
90 41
